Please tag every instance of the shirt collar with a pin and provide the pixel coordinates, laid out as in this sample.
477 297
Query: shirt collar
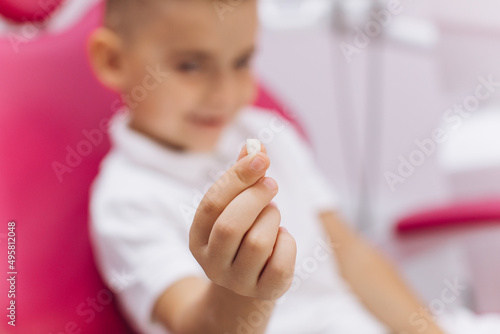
192 167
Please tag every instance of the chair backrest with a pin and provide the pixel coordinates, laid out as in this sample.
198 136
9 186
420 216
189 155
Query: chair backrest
49 103
452 216
28 10
53 115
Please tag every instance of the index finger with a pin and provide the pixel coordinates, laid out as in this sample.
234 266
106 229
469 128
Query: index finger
243 174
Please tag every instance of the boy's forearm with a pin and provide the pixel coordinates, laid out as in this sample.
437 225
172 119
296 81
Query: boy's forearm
218 310
384 292
375 280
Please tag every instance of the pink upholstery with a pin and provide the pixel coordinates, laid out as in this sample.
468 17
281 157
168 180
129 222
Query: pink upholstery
47 98
267 101
467 234
51 115
459 214
28 10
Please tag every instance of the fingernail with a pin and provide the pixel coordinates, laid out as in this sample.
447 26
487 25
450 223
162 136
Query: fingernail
258 163
270 183
284 228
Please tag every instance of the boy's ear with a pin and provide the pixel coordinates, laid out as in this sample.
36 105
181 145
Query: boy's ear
105 50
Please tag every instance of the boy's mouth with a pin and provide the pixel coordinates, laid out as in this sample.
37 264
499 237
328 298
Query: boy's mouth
207 122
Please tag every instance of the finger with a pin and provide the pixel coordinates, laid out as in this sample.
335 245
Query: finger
244 152
256 247
277 275
243 174
235 221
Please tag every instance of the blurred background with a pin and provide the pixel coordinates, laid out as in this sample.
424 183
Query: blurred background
372 99
401 103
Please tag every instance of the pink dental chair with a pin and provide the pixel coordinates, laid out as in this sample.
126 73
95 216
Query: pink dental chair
28 10
52 111
473 227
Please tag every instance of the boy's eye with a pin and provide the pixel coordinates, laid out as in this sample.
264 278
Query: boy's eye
189 67
243 62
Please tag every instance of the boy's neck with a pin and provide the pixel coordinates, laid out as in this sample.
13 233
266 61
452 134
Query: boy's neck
166 144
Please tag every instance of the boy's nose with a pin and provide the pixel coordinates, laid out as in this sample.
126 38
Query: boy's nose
222 92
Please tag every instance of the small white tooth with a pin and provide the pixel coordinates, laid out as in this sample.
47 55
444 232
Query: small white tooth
253 146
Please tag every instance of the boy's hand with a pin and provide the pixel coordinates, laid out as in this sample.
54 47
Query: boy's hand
235 235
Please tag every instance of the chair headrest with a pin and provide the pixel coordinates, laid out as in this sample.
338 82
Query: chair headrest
28 10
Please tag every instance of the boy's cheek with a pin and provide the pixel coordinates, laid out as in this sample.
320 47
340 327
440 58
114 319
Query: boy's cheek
180 88
249 89
251 93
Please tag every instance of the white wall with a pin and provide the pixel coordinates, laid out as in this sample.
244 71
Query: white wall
415 86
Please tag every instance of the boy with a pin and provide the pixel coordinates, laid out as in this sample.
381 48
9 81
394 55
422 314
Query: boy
204 257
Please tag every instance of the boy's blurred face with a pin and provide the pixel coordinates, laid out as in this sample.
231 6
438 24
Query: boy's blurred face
188 71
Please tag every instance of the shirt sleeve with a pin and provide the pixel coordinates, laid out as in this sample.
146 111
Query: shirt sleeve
140 251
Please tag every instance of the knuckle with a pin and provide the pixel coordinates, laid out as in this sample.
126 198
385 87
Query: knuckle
283 271
275 212
239 175
209 205
256 243
225 229
273 289
287 272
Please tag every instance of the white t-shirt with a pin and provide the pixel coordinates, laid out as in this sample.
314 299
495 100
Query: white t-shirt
144 200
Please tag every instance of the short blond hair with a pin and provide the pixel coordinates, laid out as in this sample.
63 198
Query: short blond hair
123 15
